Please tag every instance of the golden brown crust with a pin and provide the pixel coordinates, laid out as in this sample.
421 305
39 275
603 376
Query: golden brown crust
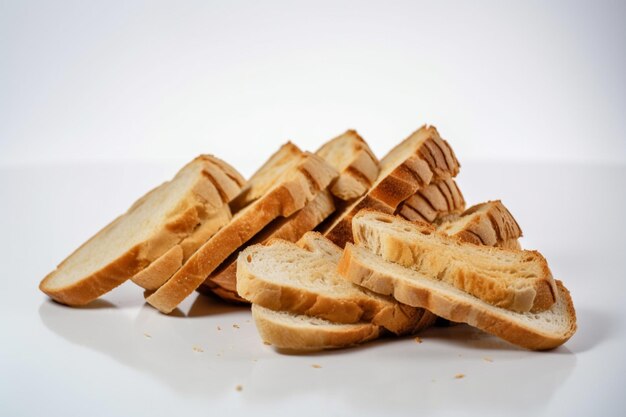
425 157
383 279
302 185
283 335
352 157
433 202
197 203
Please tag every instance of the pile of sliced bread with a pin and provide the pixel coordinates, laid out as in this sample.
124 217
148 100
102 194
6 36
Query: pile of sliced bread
332 249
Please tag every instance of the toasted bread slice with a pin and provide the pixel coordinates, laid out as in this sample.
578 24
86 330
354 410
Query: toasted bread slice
150 228
417 161
291 192
537 331
516 280
357 165
441 199
303 333
223 281
282 276
489 224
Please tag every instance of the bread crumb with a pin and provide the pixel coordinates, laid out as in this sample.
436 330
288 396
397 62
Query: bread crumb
316 366
219 328
459 376
267 343
487 359
197 349
148 335
236 326
418 340
239 388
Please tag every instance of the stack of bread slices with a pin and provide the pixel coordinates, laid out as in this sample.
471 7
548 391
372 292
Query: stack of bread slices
332 248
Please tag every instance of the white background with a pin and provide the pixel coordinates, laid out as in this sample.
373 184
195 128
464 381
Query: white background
162 79
100 101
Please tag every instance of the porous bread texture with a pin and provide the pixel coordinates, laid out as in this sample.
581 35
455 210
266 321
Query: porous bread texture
223 282
159 271
294 332
537 331
413 164
282 276
279 163
153 224
435 201
489 223
291 192
357 165
516 280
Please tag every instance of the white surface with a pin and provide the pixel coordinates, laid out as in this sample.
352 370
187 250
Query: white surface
120 357
158 78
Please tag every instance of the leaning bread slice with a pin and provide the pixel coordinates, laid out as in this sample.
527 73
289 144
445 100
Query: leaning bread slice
538 331
352 157
303 333
290 193
435 201
281 162
488 224
159 271
516 280
150 228
282 276
223 281
417 161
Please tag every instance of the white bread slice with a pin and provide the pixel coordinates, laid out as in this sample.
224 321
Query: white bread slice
282 276
489 224
352 157
223 281
435 201
150 228
293 332
279 163
537 331
159 271
289 193
417 161
516 280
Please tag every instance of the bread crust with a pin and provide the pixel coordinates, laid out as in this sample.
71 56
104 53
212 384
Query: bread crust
426 157
223 282
357 165
310 338
197 203
475 312
303 184
433 202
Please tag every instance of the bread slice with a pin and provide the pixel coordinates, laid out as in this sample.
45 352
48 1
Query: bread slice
303 333
282 276
223 281
159 271
281 162
357 165
489 224
537 331
438 200
417 161
290 193
516 280
150 228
